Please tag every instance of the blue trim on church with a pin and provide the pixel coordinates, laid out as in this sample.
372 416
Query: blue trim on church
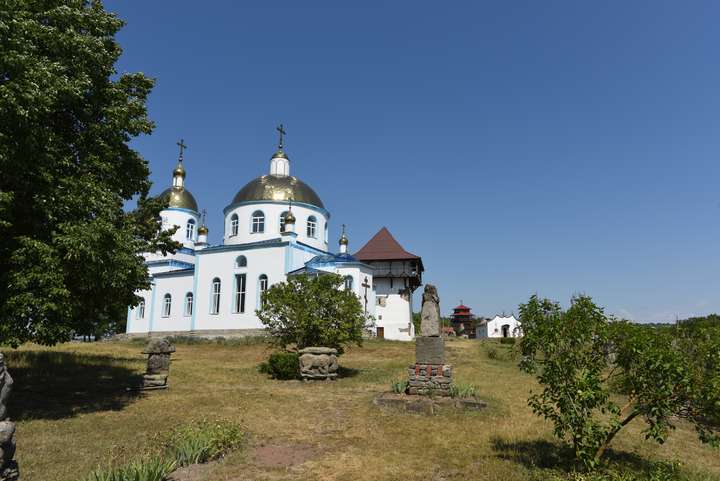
171 263
284 202
180 209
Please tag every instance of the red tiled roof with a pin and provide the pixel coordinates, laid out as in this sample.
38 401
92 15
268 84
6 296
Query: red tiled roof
384 247
462 307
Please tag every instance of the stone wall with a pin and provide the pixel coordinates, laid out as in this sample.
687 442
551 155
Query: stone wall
429 379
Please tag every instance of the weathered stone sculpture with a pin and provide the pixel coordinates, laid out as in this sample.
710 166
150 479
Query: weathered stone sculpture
318 363
8 467
430 375
158 363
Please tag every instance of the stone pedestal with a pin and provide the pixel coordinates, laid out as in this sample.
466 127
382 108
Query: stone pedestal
429 379
318 363
430 350
158 364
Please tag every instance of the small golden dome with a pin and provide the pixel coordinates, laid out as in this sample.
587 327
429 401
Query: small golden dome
344 240
202 230
290 218
179 170
279 154
281 189
180 198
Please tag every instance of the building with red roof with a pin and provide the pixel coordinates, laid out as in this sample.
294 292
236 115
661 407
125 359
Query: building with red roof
463 320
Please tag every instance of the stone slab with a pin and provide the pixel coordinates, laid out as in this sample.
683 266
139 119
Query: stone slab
426 405
429 350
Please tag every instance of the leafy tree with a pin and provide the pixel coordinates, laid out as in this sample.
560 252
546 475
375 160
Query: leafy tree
312 311
69 254
583 361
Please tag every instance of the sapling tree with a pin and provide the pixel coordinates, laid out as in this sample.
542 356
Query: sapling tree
598 375
312 311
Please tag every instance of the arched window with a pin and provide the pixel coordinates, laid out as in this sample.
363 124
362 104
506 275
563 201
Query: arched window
348 283
190 229
241 261
282 221
215 300
141 310
234 223
258 222
326 233
262 287
188 304
167 304
312 226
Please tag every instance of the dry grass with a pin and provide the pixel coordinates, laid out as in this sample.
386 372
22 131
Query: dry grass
74 415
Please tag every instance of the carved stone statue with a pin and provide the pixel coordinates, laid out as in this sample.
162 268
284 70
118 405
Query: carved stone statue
430 313
158 363
8 467
318 363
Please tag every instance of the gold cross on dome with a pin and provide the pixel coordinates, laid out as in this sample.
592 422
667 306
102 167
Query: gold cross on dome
182 146
281 129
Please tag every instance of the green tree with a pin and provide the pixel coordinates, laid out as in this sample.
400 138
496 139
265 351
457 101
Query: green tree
312 311
583 362
69 254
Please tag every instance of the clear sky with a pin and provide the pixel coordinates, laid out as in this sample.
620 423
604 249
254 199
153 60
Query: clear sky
556 147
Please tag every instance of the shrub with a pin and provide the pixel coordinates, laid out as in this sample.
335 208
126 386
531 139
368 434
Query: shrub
312 311
399 386
462 390
282 365
507 340
202 441
492 353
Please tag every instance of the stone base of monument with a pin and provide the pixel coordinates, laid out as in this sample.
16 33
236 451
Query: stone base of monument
155 381
428 405
318 363
429 379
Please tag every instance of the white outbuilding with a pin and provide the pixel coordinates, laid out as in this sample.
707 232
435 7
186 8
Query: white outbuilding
498 326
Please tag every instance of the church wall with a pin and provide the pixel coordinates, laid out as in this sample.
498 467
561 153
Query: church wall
175 216
140 324
221 264
177 286
272 211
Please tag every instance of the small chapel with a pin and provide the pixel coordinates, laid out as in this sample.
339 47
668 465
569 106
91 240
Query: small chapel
275 226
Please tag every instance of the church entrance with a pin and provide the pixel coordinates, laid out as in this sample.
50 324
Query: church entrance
505 330
381 333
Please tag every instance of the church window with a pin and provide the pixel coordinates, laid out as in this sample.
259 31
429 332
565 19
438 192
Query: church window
190 229
262 287
167 304
141 310
234 223
215 300
240 283
348 283
282 221
312 226
258 222
241 261
326 233
188 304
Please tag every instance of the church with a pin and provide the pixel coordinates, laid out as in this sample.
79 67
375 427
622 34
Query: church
275 226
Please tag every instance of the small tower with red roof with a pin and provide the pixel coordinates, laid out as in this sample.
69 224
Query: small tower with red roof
462 320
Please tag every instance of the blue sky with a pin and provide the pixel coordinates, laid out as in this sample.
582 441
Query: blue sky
556 147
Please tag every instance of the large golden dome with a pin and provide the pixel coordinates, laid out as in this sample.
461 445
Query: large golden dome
279 188
181 198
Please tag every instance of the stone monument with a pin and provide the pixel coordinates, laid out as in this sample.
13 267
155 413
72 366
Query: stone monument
318 363
430 375
158 351
8 467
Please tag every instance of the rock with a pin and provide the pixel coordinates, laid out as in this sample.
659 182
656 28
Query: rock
8 467
430 313
318 363
158 363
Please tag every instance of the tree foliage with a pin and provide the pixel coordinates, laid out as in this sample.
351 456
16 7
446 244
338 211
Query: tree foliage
69 254
312 311
597 375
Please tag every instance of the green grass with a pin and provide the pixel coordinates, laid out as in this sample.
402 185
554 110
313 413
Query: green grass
74 415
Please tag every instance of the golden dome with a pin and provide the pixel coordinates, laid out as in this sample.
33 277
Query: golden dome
281 189
202 230
344 240
179 170
279 154
180 198
290 218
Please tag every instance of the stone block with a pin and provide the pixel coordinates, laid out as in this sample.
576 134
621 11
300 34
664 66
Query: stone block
429 350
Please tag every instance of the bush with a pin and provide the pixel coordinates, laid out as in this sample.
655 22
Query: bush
507 340
462 390
312 311
400 386
282 365
492 353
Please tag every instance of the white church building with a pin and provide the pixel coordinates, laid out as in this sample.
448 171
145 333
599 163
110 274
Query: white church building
274 227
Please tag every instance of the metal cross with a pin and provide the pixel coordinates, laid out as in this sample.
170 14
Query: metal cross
182 148
366 285
281 129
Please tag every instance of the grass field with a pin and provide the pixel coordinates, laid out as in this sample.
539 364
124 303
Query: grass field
75 415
